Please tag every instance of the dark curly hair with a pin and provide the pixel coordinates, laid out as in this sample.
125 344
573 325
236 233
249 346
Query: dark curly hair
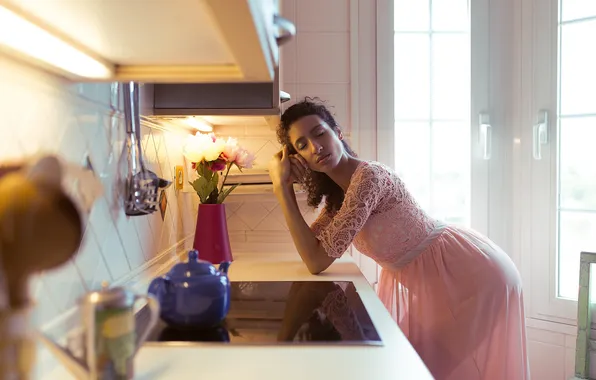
317 185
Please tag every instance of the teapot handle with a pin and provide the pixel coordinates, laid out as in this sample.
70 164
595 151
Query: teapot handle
143 333
224 266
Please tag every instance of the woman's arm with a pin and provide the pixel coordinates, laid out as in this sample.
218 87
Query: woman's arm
309 247
282 173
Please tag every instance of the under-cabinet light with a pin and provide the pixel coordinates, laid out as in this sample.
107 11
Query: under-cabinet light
198 124
26 38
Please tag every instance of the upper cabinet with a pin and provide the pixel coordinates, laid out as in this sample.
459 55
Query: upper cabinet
167 41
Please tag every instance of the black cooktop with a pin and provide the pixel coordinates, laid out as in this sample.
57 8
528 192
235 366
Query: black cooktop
283 312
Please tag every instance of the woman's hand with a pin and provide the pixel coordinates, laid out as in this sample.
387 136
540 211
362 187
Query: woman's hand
285 169
280 169
299 167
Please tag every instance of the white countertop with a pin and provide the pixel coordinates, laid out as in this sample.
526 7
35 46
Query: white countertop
396 359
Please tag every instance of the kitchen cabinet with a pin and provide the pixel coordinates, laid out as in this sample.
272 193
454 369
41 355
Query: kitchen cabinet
201 41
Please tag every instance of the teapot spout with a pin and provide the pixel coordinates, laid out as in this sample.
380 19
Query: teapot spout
224 266
75 366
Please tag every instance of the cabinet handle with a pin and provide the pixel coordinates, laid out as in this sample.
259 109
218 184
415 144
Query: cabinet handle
485 134
287 29
540 135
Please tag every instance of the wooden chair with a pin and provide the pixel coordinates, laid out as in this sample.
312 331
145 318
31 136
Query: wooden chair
584 343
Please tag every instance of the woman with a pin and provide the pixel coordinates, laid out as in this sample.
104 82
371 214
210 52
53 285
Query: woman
320 311
454 293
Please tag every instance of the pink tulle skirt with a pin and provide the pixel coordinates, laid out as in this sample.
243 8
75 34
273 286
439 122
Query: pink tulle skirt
460 304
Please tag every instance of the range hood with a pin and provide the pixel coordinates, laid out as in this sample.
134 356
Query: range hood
218 102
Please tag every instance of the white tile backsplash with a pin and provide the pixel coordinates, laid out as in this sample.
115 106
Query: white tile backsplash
90 263
323 16
323 57
288 71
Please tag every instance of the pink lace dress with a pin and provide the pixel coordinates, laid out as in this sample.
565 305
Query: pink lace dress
455 294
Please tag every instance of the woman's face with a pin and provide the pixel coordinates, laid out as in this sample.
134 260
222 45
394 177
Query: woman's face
316 142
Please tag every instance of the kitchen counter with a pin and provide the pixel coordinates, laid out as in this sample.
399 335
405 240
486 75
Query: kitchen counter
396 359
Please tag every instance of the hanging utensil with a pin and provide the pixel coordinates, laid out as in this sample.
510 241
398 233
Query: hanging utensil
143 187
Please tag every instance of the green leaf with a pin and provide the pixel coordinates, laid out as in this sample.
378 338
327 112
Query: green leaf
201 169
208 174
197 186
204 188
224 193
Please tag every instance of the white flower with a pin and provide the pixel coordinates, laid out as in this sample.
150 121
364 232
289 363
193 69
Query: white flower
213 150
193 150
203 147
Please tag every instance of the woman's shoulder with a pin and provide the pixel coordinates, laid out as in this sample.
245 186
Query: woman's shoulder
373 169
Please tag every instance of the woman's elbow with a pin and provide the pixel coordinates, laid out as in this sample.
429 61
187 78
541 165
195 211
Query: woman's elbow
319 267
315 270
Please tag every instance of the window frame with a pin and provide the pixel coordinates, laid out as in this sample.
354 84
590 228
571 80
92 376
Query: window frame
480 102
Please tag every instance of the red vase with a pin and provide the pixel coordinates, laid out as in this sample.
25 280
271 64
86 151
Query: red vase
211 234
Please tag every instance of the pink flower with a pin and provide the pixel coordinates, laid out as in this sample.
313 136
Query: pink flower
230 150
193 165
244 159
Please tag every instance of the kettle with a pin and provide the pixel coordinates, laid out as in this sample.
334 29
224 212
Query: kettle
110 336
193 294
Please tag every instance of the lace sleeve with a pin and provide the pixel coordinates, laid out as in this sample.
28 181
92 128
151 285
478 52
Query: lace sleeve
361 199
321 222
337 310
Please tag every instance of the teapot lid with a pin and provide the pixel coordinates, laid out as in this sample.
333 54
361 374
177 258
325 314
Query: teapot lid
193 267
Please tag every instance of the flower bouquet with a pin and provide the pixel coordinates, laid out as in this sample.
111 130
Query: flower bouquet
209 156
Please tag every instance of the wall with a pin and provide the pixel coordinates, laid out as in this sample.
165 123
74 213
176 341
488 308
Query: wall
551 351
45 114
317 61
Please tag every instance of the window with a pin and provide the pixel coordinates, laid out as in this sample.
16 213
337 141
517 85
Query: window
562 189
527 70
576 177
432 104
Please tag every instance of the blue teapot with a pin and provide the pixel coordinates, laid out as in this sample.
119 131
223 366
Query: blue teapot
193 294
